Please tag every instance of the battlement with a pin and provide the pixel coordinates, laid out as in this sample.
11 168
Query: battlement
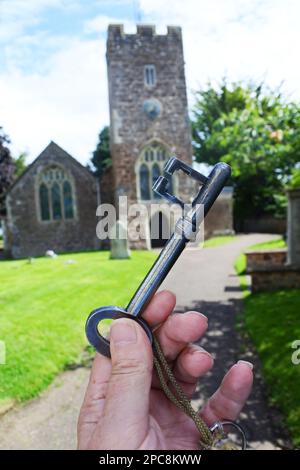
116 31
145 29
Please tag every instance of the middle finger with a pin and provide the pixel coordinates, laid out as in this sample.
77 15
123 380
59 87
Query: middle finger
179 330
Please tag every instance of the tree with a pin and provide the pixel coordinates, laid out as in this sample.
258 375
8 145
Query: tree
101 159
20 164
256 132
7 170
294 183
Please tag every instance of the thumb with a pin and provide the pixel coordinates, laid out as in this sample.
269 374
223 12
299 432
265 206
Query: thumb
126 410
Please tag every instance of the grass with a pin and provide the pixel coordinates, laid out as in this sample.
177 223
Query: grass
272 321
222 239
240 268
270 245
44 306
217 241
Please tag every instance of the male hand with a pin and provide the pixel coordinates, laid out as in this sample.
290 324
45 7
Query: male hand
125 407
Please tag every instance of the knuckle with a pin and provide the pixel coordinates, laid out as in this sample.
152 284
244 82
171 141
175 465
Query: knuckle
130 367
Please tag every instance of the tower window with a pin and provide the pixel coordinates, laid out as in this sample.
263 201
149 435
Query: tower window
144 182
150 166
149 75
155 175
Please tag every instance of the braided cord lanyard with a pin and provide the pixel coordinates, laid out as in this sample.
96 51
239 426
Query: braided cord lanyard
178 397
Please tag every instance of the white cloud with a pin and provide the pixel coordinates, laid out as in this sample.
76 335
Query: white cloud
68 104
17 15
65 98
240 39
99 24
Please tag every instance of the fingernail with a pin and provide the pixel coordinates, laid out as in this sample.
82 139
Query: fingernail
201 315
123 332
199 350
249 364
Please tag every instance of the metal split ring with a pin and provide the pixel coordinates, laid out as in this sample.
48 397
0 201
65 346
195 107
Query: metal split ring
101 344
219 426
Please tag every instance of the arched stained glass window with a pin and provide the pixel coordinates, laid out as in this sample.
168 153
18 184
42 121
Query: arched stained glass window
56 195
144 182
155 175
68 200
44 202
56 201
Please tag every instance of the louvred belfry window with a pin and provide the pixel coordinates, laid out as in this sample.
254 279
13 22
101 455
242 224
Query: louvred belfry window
149 75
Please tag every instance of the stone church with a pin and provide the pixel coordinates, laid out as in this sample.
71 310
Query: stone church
53 204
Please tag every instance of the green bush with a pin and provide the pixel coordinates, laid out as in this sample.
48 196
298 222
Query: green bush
295 180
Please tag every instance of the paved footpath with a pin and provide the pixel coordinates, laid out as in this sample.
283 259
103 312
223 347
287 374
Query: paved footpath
49 422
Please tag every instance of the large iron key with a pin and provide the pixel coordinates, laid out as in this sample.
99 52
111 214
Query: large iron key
185 229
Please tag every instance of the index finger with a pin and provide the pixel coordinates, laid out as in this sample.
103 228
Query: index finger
159 308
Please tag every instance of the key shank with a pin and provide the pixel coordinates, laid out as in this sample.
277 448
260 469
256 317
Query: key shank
186 228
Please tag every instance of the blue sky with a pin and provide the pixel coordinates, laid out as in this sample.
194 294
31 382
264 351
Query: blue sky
52 58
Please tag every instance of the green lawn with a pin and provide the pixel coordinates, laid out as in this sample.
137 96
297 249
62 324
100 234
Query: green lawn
217 241
222 239
270 245
272 320
44 306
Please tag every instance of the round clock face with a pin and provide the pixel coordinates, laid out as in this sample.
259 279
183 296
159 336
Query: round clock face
152 108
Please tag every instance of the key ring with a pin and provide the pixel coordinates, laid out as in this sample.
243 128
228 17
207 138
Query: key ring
218 427
109 313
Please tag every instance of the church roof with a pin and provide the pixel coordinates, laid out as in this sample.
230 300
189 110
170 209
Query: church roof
52 148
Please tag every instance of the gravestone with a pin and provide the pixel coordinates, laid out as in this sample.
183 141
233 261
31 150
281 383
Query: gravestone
119 242
294 227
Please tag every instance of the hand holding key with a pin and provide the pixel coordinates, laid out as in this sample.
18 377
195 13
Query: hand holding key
217 435
124 406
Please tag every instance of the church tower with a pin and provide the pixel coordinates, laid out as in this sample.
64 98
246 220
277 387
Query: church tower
148 110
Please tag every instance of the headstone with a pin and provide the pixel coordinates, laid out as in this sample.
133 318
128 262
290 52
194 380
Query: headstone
294 227
119 242
50 254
